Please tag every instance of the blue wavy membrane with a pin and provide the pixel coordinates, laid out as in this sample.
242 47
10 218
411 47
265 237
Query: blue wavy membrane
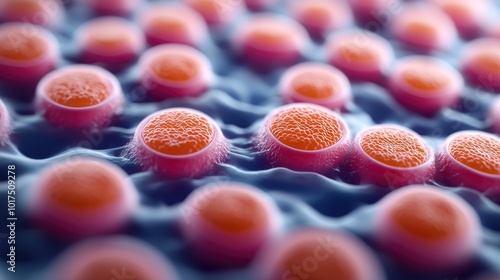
238 102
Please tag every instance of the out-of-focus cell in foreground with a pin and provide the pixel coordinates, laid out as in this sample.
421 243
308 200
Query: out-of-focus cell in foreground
81 197
481 64
226 224
390 156
303 137
178 143
320 255
46 13
79 96
427 229
112 258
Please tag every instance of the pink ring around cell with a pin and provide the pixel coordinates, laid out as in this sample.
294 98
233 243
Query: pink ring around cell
477 147
268 41
111 7
46 13
244 220
425 85
321 147
174 71
481 64
112 41
361 55
35 53
5 123
105 84
392 166
112 257
315 83
81 197
427 229
197 163
172 24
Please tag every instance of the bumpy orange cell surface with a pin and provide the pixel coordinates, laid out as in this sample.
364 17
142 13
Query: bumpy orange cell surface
232 211
315 84
306 128
19 45
394 147
83 185
427 216
479 152
113 267
78 89
336 264
178 133
108 34
177 67
426 76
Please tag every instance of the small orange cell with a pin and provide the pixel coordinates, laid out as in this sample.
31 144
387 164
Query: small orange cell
78 89
394 147
20 46
110 33
305 128
480 152
481 63
176 67
216 11
425 76
178 133
315 84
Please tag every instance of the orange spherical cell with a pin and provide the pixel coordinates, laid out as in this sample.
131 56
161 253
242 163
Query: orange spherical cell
40 12
361 55
228 223
111 41
27 52
79 96
320 255
481 63
172 23
315 83
173 70
423 27
216 12
425 85
115 257
390 155
321 16
427 228
178 142
304 137
76 198
467 15
479 152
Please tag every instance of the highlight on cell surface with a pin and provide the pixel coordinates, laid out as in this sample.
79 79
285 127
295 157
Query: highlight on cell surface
315 83
174 71
481 64
113 257
425 85
360 54
303 137
80 197
269 41
167 23
226 224
46 13
79 96
111 41
178 143
427 229
319 254
390 156
470 159
27 53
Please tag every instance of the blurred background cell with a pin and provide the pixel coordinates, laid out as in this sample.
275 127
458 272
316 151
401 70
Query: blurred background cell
217 12
112 7
259 5
46 13
480 63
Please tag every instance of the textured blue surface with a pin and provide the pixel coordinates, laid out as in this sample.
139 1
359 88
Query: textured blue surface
238 102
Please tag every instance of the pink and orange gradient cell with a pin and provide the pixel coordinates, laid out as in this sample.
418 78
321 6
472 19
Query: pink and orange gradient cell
27 53
470 159
217 12
390 156
79 96
481 63
173 70
40 12
320 255
178 143
304 137
172 24
425 84
427 229
227 224
80 197
113 257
